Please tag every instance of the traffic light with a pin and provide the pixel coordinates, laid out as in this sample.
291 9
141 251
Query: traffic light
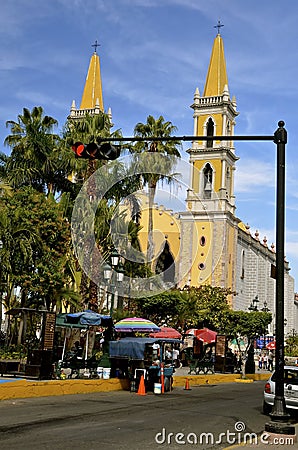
96 151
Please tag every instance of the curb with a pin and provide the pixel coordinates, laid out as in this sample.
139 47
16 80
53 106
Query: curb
30 389
33 388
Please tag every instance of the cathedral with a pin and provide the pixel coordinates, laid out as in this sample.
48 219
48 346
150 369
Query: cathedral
207 243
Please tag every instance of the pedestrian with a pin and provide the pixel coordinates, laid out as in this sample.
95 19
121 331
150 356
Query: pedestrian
175 356
260 362
265 362
270 361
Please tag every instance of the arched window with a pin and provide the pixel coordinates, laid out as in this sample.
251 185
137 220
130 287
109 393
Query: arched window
228 128
208 175
210 131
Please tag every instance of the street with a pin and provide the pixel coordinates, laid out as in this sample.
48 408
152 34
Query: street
129 421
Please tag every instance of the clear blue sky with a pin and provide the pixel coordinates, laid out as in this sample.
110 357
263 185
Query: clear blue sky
154 53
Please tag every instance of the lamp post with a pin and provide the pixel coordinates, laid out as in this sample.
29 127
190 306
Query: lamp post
110 273
254 304
279 416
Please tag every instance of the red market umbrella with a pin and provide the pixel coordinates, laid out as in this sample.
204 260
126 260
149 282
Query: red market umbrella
206 335
271 345
191 332
166 332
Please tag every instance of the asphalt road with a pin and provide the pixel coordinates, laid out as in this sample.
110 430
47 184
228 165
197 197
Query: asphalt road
124 420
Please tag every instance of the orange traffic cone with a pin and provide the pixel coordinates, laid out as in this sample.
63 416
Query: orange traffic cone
186 387
141 390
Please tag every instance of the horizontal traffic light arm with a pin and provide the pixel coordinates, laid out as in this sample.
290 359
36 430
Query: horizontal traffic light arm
190 138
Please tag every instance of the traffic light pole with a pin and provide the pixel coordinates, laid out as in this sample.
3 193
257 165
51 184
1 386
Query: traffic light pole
279 417
279 414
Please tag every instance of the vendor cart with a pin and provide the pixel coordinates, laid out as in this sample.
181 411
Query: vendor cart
133 357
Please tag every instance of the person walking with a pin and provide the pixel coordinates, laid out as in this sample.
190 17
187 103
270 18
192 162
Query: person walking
260 361
270 361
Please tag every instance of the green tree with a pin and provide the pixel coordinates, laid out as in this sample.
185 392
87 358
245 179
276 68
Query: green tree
291 348
205 305
164 308
161 129
16 251
190 307
34 159
245 326
42 275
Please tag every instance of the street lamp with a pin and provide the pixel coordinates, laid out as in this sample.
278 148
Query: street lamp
110 273
254 304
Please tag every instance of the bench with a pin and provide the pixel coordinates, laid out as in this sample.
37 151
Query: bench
9 367
201 366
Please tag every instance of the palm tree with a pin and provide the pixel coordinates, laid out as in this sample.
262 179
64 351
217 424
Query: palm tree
15 251
167 148
33 160
90 128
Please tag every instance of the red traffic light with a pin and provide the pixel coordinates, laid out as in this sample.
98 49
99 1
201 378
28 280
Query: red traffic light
94 151
79 149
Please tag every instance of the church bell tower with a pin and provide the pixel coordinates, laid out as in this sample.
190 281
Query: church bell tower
209 226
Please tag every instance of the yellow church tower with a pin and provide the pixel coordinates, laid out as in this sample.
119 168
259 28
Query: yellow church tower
92 98
209 226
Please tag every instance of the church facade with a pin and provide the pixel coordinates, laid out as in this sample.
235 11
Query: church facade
207 243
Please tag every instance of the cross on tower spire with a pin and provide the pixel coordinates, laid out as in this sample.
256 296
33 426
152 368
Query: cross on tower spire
218 26
95 45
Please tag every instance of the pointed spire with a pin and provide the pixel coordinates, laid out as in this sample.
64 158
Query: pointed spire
197 95
73 108
217 77
92 94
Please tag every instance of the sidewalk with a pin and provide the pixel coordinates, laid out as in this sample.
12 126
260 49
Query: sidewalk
13 387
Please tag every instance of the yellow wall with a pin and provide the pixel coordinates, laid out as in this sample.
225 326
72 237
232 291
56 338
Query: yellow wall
166 226
202 254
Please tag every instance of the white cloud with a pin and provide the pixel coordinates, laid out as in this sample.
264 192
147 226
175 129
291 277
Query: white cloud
253 176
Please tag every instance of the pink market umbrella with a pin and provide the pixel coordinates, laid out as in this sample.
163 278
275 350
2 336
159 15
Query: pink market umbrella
166 332
132 324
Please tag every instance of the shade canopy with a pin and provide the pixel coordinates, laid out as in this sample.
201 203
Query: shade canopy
61 322
166 332
134 348
88 317
133 324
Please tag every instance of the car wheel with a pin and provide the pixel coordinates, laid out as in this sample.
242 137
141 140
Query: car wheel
266 408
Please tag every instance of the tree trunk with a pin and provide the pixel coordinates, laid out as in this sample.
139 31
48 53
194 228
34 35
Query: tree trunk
150 248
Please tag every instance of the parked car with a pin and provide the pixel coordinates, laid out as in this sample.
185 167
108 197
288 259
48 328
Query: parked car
290 390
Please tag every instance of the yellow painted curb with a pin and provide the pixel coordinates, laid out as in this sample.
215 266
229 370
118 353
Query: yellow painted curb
217 378
24 388
34 388
242 380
